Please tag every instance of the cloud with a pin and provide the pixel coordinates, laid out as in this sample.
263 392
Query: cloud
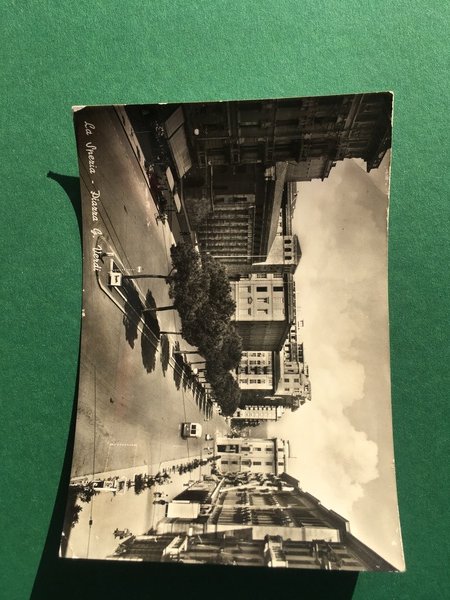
342 231
333 460
342 298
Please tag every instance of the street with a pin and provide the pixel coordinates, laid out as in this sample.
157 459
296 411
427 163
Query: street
132 397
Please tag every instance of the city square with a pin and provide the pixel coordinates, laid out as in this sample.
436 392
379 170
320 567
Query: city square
193 356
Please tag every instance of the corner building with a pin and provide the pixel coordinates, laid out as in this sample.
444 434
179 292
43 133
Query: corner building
264 310
256 520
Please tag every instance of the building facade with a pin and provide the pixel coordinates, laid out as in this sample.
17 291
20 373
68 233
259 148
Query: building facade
314 132
259 413
263 314
294 381
256 520
251 455
225 151
255 370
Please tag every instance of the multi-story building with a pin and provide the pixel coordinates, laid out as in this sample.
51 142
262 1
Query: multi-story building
228 231
308 133
225 150
255 371
259 413
251 455
295 384
261 398
252 519
263 312
284 256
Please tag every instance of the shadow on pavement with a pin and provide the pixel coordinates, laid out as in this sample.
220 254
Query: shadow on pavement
150 335
165 353
178 367
133 311
188 377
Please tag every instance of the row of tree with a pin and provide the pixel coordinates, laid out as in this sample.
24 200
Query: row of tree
201 293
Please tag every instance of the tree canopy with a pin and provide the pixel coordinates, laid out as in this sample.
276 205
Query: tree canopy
202 296
201 293
227 392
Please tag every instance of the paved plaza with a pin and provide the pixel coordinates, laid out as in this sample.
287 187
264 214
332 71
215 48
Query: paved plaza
132 394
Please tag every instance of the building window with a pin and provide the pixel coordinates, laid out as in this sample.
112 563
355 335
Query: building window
249 311
269 463
286 380
257 462
234 462
263 311
224 462
277 288
265 299
261 288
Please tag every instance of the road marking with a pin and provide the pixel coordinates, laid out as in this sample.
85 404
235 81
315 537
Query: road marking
123 445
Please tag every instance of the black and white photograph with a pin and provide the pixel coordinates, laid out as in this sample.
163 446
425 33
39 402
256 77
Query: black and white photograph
234 401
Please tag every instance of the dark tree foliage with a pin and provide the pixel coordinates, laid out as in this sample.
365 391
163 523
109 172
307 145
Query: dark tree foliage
139 484
188 287
229 352
76 514
227 392
86 492
202 296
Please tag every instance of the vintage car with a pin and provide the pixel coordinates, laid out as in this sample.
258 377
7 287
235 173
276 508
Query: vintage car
191 430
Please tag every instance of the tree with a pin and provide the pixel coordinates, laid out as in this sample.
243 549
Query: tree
76 515
201 293
86 492
187 281
230 350
188 287
227 392
213 321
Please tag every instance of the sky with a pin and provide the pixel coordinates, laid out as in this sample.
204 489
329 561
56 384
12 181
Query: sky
341 441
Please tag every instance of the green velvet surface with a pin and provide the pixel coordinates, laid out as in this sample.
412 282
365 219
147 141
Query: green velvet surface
58 54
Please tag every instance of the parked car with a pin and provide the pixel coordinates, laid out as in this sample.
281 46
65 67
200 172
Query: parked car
191 430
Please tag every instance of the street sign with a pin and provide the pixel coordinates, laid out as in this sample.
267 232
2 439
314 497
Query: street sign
115 279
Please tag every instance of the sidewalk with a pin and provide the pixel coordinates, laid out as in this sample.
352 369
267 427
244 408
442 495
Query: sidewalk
141 145
130 472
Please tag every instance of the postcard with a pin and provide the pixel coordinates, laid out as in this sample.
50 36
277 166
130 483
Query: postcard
234 400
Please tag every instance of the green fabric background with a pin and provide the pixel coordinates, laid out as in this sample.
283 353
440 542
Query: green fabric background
57 54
